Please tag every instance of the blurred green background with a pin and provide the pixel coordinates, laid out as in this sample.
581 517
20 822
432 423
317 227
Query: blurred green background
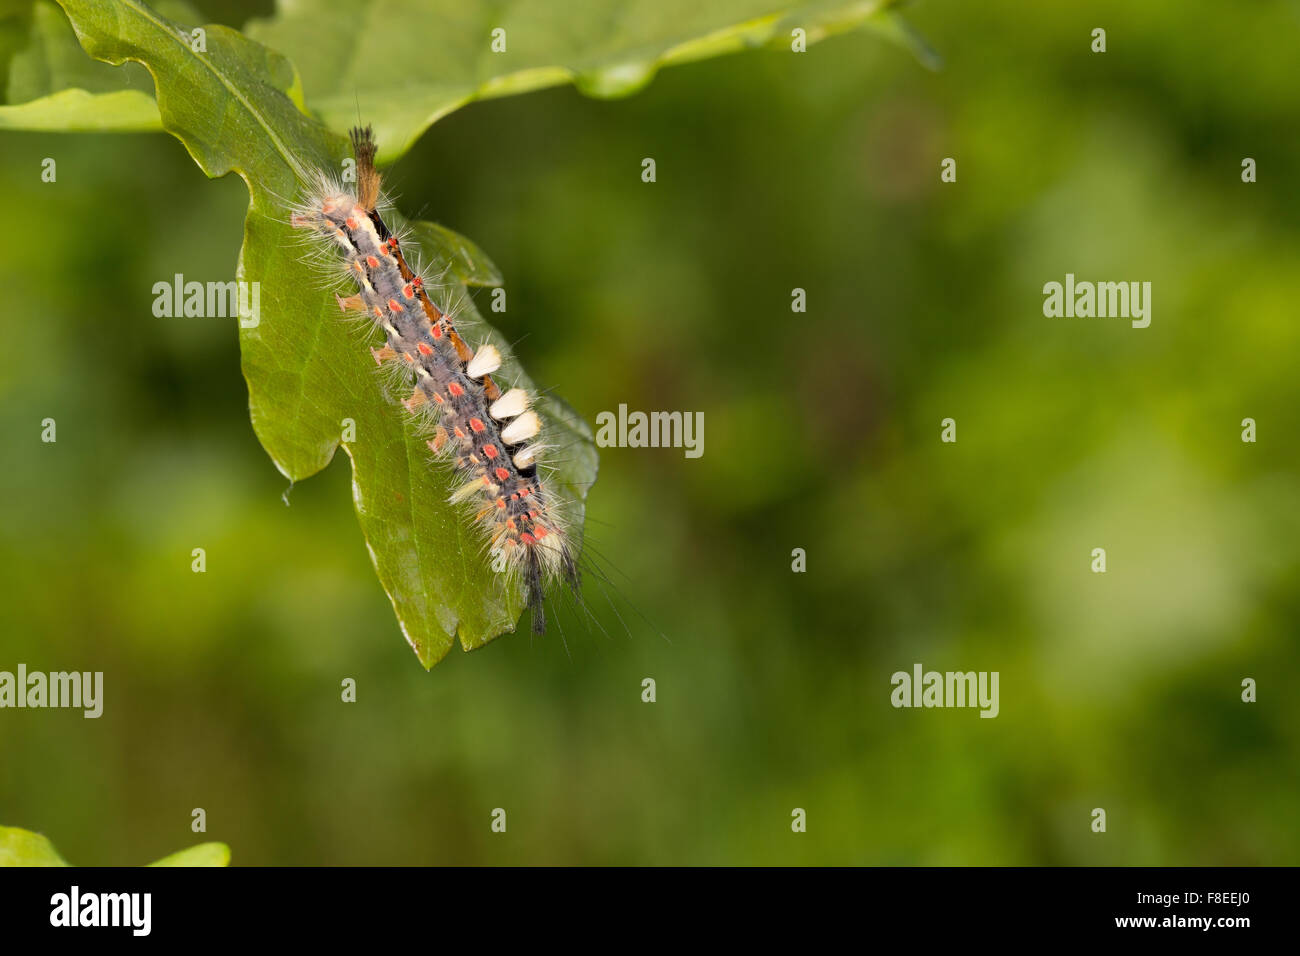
775 171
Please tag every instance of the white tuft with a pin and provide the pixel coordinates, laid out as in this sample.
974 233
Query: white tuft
466 491
485 361
526 457
510 404
552 549
521 429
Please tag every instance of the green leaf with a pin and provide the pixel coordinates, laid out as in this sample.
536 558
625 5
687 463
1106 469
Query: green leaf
48 83
236 107
607 48
467 260
24 848
205 854
404 65
72 111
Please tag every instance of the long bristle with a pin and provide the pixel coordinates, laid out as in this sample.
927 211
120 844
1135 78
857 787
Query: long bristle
535 592
369 178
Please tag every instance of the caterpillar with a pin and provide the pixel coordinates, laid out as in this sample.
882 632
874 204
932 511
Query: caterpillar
489 435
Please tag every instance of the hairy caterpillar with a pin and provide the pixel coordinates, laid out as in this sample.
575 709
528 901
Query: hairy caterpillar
490 435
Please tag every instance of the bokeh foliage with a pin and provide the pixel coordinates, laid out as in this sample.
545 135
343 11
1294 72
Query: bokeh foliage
774 171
